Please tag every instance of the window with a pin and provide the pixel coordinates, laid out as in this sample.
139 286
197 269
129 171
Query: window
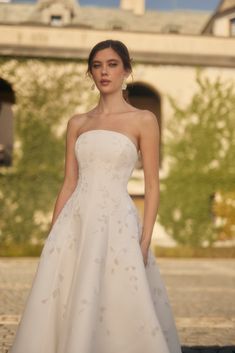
171 28
232 27
56 20
117 27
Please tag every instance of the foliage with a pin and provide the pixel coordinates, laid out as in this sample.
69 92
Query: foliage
47 95
197 192
224 209
201 153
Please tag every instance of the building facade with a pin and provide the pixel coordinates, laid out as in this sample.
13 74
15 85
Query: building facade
167 47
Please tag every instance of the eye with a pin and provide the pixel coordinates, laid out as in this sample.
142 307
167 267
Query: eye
95 65
113 64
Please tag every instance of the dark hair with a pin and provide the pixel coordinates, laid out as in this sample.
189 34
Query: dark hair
117 46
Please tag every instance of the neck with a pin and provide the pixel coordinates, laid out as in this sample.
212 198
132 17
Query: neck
111 103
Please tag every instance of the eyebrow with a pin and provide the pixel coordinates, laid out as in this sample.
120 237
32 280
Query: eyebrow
98 61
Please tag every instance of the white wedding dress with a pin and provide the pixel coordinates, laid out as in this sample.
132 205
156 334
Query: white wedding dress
91 292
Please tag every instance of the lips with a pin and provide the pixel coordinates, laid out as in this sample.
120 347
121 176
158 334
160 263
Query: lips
104 81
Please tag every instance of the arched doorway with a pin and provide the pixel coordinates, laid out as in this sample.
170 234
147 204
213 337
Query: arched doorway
143 96
7 98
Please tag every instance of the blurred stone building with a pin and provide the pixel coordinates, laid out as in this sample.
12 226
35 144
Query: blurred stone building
166 46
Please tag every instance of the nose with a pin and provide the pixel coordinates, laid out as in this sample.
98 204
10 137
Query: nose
104 70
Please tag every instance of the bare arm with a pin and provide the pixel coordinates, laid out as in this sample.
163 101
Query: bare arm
71 169
149 146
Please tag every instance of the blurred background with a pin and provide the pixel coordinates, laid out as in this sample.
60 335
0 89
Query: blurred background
183 55
184 71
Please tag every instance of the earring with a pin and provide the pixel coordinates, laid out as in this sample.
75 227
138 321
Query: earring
124 85
93 86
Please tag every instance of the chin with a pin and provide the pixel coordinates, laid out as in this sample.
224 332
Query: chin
109 89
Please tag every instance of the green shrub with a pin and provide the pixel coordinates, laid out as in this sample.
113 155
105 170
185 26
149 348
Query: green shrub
201 152
47 94
224 211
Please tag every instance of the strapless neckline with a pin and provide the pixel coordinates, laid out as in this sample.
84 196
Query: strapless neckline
110 131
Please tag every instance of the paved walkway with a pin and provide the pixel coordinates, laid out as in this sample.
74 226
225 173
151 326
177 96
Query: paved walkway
201 292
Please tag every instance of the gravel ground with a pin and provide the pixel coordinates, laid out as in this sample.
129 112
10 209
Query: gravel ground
201 292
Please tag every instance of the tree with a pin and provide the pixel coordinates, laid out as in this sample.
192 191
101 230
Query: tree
47 94
201 150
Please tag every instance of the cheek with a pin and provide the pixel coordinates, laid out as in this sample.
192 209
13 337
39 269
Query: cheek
118 74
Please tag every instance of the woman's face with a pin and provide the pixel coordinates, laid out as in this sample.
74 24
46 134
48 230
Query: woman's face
108 71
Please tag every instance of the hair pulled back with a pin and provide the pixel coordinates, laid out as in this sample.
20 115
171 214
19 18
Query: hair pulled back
119 47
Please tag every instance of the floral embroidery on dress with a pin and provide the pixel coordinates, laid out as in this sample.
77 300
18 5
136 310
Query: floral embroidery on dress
92 292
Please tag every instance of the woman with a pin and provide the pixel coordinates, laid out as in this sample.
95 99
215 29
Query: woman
97 288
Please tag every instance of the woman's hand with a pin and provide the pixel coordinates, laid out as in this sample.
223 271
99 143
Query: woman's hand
144 249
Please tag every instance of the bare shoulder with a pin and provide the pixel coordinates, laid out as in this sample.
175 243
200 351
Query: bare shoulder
76 121
148 121
149 118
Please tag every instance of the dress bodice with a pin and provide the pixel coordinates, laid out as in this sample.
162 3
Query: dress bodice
105 157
